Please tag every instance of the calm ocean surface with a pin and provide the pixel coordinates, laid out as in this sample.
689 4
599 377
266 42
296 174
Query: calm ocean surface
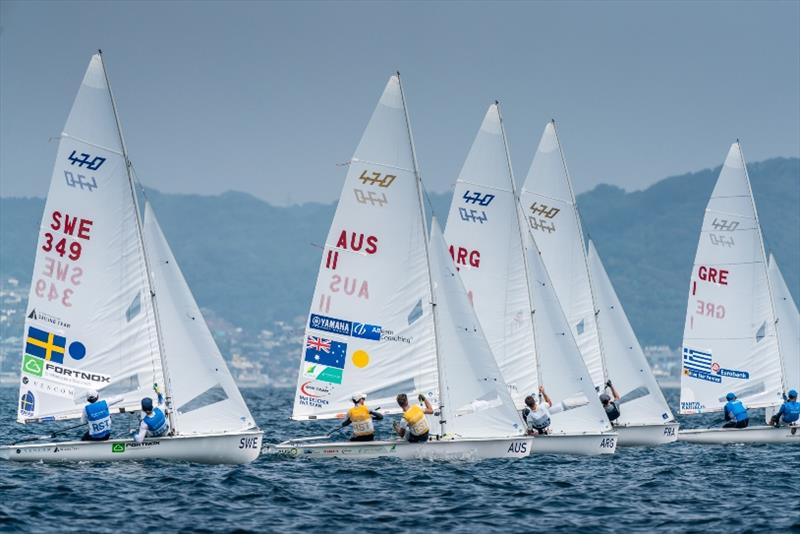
679 487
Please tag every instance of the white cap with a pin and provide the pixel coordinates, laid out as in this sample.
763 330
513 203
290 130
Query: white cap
358 396
91 394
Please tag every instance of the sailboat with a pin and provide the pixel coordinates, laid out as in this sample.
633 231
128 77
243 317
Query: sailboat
552 214
390 315
731 338
110 311
511 293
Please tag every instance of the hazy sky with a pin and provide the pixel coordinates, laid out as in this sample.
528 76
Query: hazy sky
268 97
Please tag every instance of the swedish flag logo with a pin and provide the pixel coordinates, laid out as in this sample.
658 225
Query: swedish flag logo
45 345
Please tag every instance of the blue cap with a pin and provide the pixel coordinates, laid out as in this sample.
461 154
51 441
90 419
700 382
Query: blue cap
730 396
792 393
147 404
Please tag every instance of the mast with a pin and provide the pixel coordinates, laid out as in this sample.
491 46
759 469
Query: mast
595 311
522 242
766 269
139 232
442 417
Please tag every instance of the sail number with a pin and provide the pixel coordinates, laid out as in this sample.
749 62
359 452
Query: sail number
376 179
71 226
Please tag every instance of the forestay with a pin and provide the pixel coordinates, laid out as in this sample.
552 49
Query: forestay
89 322
788 325
552 215
563 371
644 402
475 399
204 394
370 326
485 242
729 339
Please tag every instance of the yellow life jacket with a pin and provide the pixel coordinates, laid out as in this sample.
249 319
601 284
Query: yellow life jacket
417 422
361 420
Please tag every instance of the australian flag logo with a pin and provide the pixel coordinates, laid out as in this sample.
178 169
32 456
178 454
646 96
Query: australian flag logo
325 352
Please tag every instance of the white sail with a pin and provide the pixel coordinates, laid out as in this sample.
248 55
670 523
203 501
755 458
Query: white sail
204 395
475 399
90 322
552 214
563 372
729 339
485 242
643 400
370 327
788 325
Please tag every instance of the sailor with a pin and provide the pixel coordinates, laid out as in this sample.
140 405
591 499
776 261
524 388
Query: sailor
414 425
789 410
735 413
98 417
537 414
361 417
611 407
153 423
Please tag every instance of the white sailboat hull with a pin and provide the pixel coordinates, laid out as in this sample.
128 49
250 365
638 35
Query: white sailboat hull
753 434
646 435
576 444
457 449
238 448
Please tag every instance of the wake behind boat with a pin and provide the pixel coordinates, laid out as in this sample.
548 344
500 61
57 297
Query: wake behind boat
390 315
110 311
731 341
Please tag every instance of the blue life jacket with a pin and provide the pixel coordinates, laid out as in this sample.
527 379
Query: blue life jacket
736 410
791 411
99 419
157 424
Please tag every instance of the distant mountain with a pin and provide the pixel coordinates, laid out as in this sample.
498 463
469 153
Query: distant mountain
252 263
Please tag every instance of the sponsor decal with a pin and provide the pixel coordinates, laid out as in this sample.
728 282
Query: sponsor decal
366 331
323 373
330 324
315 390
77 377
389 335
51 388
32 366
693 406
118 448
27 404
47 318
325 351
143 445
699 364
734 373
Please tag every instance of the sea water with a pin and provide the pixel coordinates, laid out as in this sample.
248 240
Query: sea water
677 487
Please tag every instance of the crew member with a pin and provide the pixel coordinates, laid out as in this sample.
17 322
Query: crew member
98 417
611 407
789 410
153 423
735 413
361 417
537 414
414 426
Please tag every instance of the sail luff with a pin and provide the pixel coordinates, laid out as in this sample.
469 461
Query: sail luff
139 233
764 259
418 180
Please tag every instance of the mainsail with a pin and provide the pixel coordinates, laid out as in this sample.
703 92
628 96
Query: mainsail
644 402
788 325
370 326
484 235
90 322
729 338
203 392
552 215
